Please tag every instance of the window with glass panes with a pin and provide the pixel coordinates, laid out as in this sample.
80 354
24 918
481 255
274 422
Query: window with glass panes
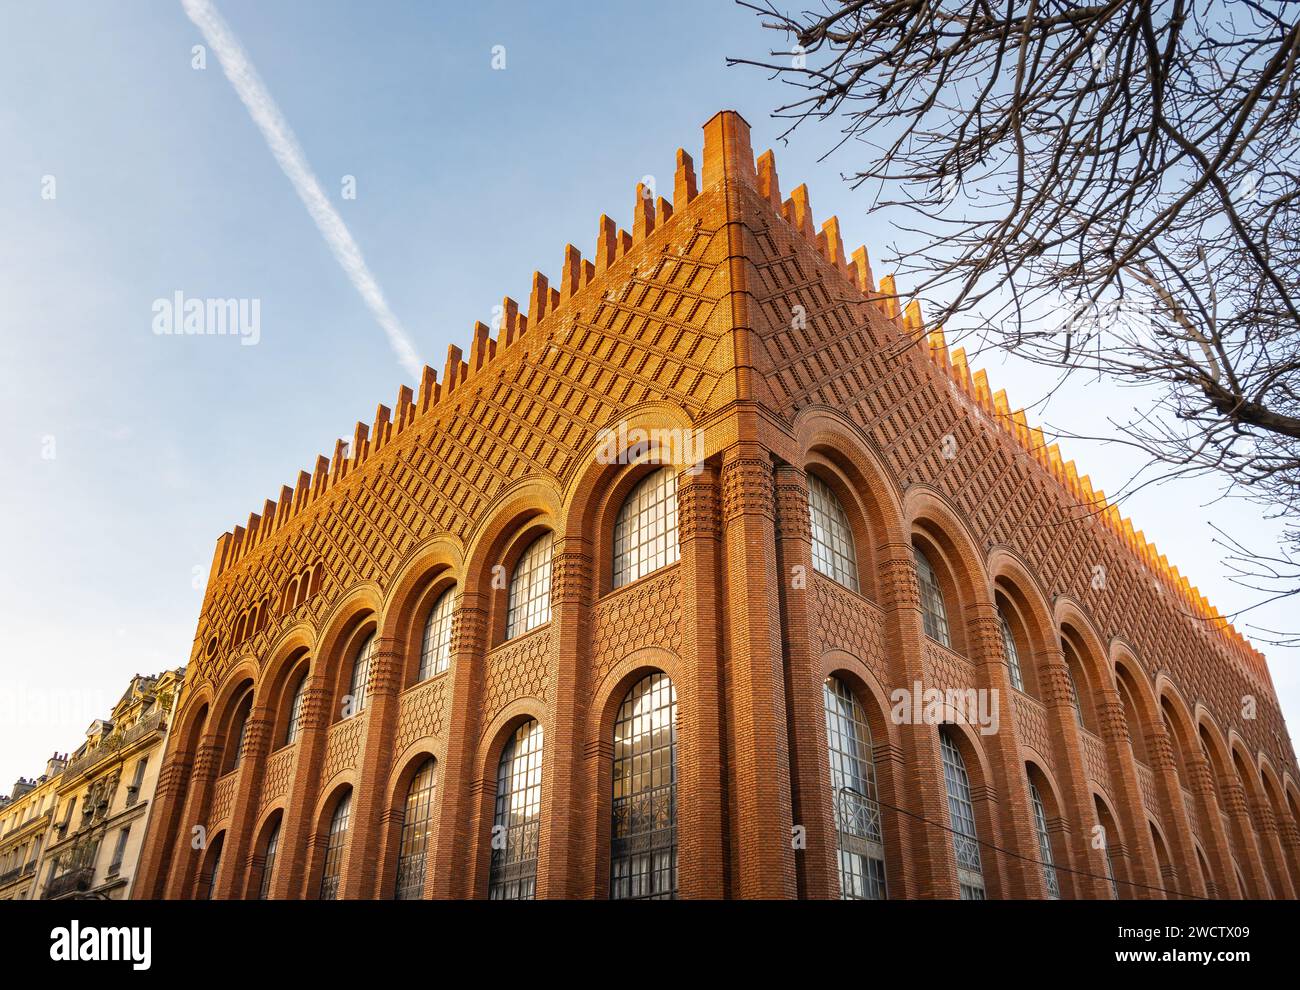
965 840
435 648
334 847
645 531
295 711
643 847
1074 694
833 553
1044 844
516 826
530 589
361 676
859 835
415 834
1013 655
933 614
214 868
268 862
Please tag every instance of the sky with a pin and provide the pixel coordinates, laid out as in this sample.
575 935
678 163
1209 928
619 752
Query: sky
128 452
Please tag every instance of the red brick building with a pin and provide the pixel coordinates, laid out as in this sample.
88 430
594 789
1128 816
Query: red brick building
624 604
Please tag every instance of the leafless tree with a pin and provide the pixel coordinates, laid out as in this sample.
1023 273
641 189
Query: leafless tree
1107 188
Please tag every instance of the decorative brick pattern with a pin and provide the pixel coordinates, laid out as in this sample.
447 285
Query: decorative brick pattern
849 622
279 772
222 797
343 746
647 613
517 669
420 713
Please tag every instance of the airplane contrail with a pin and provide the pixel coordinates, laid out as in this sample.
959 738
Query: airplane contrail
284 146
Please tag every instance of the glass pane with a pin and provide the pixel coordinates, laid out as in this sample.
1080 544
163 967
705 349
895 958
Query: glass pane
643 847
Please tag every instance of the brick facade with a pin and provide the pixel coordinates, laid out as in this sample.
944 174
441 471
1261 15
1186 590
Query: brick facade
727 313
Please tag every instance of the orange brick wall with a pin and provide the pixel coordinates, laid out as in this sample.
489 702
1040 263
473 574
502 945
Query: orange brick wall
727 313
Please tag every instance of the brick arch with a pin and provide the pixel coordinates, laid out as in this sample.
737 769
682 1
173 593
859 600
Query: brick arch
393 817
213 849
318 838
833 447
1120 864
1223 772
1275 790
1258 813
352 618
606 701
979 771
1169 873
1138 705
1037 771
1031 620
422 579
959 564
291 658
529 501
482 812
270 818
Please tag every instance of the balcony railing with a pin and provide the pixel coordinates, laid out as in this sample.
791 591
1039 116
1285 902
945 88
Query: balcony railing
76 881
112 743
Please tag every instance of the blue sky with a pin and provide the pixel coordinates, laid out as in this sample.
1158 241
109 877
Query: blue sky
468 179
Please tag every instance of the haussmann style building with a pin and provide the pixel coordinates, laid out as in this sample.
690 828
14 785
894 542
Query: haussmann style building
713 575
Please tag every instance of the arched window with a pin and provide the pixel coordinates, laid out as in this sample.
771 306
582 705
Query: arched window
1044 844
645 532
208 882
833 553
415 833
435 649
1013 655
239 728
530 589
338 839
295 711
516 826
1105 833
361 676
643 847
860 839
268 862
965 840
1074 695
933 613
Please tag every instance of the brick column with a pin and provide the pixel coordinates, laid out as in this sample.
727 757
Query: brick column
455 847
701 800
811 799
564 787
1271 847
1174 811
920 862
181 884
1234 803
1143 867
360 875
1213 836
243 813
1072 773
1022 877
163 834
1289 836
290 880
760 764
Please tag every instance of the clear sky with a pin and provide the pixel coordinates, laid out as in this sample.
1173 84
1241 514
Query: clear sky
467 178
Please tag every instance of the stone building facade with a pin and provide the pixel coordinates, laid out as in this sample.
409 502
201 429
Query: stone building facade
103 795
25 815
623 604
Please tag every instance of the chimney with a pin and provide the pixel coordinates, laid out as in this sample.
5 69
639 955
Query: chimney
56 764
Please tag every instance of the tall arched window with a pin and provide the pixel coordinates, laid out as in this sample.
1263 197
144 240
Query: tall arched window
361 676
1074 695
933 613
336 843
1050 879
295 711
645 532
516 827
238 729
530 589
860 838
208 882
1013 655
643 847
965 840
415 833
268 862
833 553
435 649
